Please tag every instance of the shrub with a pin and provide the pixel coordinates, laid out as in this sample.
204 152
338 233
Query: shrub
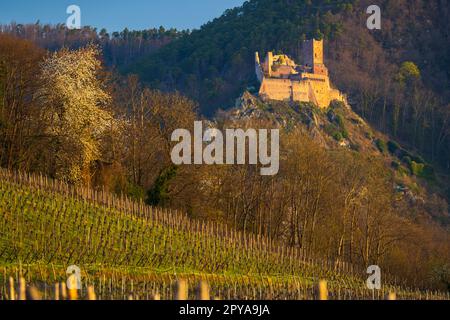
135 192
336 104
330 129
393 147
381 145
422 170
344 133
407 160
369 135
340 121
395 164
338 136
417 169
403 171
159 194
417 159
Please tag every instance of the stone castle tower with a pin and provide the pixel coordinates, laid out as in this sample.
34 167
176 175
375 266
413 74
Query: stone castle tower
312 56
282 79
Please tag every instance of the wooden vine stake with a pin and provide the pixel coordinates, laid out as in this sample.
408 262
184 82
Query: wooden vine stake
181 290
323 290
203 291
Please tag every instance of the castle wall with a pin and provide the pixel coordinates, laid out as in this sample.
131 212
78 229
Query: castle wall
258 68
285 83
269 63
321 91
300 91
282 72
317 91
276 89
320 69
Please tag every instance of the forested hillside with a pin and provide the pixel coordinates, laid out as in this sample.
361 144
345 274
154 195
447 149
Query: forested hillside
214 64
398 78
119 49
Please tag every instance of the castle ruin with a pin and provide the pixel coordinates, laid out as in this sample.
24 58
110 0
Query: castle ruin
282 79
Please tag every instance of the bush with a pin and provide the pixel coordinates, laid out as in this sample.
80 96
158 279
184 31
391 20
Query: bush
336 104
407 160
159 194
417 159
340 121
344 133
422 170
369 135
404 171
337 130
136 192
393 147
338 136
417 169
381 145
395 164
330 129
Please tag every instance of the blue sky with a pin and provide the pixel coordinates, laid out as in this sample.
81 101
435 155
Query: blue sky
115 15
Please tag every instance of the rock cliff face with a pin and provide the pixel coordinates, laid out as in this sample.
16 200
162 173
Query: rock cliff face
335 127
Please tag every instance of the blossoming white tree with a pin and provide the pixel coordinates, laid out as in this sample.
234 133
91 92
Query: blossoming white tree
73 106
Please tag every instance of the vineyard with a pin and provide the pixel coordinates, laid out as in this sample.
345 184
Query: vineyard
129 250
